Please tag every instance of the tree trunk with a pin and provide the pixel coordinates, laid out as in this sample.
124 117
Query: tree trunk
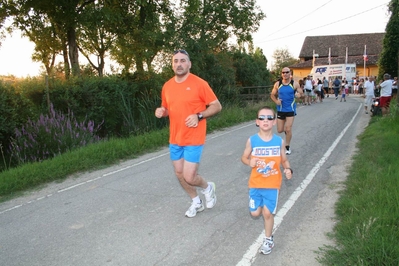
73 52
67 67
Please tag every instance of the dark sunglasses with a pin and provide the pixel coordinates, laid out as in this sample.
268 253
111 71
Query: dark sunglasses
268 117
285 72
181 51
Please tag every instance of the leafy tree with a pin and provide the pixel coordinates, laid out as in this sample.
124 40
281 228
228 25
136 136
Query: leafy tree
61 15
94 38
389 60
207 25
251 69
143 29
282 58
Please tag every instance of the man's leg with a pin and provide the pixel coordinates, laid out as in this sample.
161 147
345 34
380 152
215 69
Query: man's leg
280 125
289 121
179 166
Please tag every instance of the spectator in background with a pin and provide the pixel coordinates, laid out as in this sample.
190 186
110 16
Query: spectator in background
355 86
308 90
394 87
385 93
320 94
337 86
344 91
301 99
369 93
361 86
325 86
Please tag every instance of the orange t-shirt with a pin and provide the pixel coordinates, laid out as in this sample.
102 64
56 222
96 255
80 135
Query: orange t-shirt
183 99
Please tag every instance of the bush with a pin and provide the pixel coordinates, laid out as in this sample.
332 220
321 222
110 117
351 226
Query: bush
50 136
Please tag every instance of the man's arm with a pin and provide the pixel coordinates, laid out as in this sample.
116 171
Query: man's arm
274 93
161 112
212 109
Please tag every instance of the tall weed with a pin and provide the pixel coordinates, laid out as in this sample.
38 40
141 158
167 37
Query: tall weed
50 136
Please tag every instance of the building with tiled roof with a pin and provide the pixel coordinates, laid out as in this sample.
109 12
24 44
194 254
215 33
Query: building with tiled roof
349 48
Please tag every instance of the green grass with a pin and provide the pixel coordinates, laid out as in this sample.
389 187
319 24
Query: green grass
15 181
367 231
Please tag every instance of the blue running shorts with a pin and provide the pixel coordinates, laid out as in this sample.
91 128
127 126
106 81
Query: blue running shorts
191 154
259 197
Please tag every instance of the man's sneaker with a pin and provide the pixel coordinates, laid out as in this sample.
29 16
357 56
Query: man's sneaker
210 197
288 151
194 208
267 245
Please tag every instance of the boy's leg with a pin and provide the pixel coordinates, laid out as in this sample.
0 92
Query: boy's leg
268 220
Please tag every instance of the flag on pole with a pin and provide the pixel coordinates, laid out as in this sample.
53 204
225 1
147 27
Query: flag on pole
329 56
365 54
346 56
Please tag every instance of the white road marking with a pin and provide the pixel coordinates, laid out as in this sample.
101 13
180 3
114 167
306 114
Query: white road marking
249 257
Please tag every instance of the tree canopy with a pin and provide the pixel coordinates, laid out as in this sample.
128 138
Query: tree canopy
389 60
132 33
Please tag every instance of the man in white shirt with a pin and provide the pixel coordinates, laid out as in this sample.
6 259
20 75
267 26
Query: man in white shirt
369 93
385 93
308 87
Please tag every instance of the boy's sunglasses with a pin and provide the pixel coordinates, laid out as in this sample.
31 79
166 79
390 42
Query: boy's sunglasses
268 117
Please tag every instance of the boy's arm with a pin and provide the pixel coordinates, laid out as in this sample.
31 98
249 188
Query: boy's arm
285 163
246 156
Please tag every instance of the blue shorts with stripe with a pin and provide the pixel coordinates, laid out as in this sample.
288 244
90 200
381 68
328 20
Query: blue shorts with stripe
259 197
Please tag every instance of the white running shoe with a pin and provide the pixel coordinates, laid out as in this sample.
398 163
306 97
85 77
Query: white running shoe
194 208
267 246
288 151
210 197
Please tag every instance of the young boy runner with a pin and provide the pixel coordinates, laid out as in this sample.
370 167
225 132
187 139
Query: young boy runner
265 152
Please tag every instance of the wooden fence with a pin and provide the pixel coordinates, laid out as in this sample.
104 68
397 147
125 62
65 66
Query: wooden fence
256 93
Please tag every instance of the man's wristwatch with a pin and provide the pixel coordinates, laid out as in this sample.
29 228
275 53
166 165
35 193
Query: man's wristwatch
290 170
200 116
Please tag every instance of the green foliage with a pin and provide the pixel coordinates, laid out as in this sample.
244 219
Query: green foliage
389 59
15 109
50 136
251 69
282 58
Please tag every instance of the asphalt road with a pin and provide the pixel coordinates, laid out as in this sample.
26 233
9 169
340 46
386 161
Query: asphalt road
133 213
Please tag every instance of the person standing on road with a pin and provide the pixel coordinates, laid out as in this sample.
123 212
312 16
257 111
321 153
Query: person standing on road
361 86
385 94
188 100
265 152
325 87
337 86
287 90
308 86
369 93
344 91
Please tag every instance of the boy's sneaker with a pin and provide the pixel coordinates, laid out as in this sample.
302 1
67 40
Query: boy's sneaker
267 245
288 151
194 208
210 197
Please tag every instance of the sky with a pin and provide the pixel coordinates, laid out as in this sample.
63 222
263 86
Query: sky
286 25
289 22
